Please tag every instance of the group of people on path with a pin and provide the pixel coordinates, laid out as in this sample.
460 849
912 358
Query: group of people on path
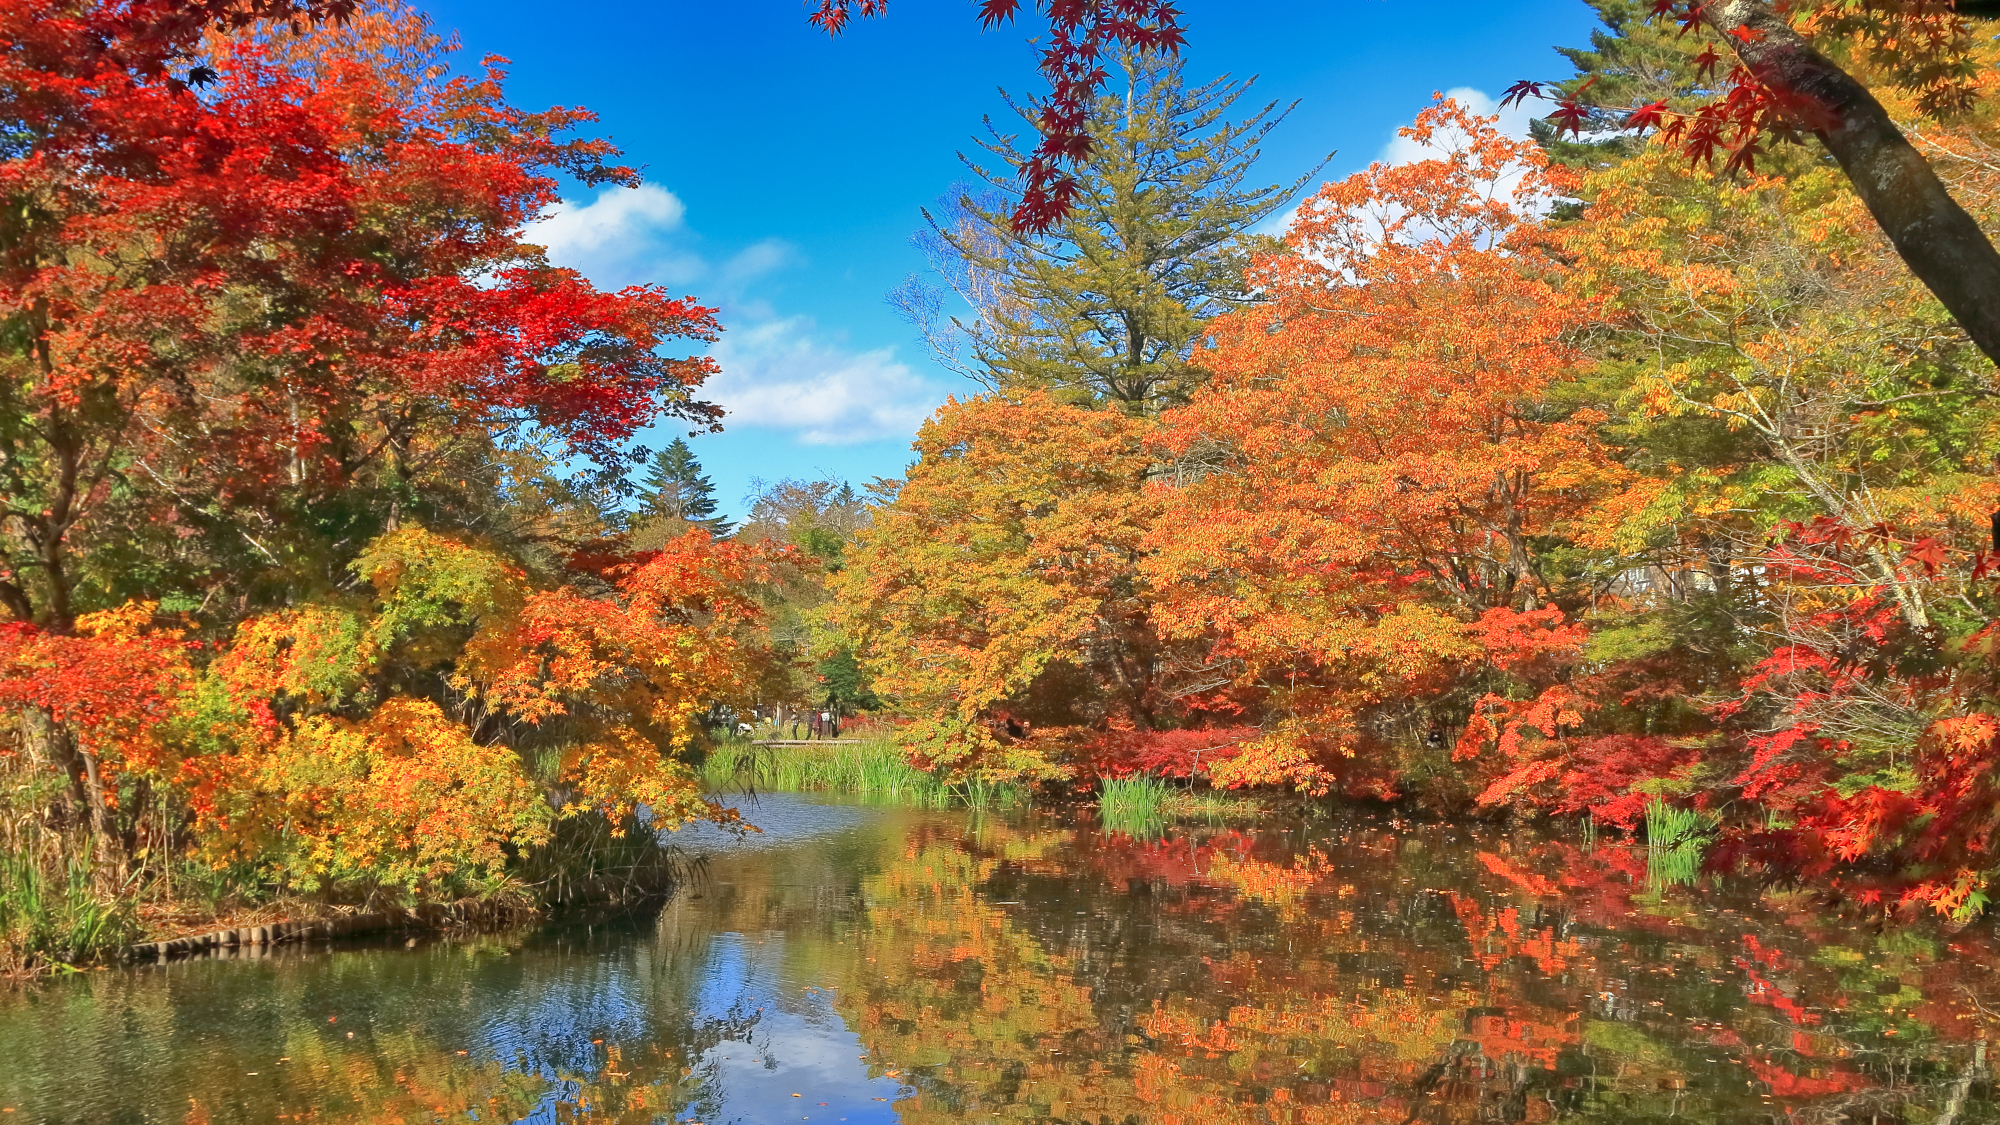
823 723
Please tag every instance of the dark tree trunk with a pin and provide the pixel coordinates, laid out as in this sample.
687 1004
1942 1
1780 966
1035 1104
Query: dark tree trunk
1937 239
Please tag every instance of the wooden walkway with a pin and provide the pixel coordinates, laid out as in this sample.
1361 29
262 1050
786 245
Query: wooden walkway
810 742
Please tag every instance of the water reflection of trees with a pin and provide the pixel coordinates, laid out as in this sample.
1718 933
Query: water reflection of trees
1046 972
483 1027
1385 975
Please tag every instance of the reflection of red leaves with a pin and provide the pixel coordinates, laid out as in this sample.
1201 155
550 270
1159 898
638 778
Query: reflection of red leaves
1526 880
1762 991
1802 1087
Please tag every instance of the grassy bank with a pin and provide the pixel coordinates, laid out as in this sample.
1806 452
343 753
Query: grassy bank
873 768
60 911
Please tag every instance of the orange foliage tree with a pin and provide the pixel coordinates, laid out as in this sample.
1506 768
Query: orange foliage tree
1385 464
256 342
1006 566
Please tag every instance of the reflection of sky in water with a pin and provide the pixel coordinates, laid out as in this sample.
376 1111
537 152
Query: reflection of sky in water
1449 947
548 1029
798 1044
778 1037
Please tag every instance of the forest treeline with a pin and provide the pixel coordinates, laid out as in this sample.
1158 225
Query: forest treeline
1552 476
1561 475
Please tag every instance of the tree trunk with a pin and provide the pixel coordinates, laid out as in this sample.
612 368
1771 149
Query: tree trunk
47 747
82 807
1937 239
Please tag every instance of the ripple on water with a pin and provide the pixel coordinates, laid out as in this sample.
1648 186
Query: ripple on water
782 819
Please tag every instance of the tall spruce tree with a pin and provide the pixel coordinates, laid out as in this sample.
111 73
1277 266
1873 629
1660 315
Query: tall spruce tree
677 492
1106 307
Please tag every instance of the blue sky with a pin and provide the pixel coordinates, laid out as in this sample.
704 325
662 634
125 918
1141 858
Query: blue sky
785 170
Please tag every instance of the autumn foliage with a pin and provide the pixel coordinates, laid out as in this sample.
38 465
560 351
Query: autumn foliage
1525 487
319 739
1552 477
294 582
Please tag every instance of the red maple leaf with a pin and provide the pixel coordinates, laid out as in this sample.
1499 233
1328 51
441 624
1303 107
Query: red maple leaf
1928 552
1648 116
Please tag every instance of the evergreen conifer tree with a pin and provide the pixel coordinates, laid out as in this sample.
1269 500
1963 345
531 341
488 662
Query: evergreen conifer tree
1106 307
1632 60
677 490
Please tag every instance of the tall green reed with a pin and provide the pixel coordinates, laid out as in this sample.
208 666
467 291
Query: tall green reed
1675 840
52 914
874 768
1136 806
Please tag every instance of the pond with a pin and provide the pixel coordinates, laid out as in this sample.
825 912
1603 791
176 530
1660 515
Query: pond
883 965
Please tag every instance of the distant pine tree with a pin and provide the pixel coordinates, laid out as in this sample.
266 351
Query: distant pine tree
677 490
1107 306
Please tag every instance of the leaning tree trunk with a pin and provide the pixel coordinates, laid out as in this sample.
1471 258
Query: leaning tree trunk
1937 239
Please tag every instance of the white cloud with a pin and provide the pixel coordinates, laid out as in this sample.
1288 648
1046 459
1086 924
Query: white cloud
758 259
620 237
1403 150
1513 123
777 374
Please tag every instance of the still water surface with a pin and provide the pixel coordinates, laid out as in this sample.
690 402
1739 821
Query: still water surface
880 965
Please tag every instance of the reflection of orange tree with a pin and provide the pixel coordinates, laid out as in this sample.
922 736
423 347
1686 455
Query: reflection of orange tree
1283 887
1323 1058
406 1080
974 1013
1501 936
1334 988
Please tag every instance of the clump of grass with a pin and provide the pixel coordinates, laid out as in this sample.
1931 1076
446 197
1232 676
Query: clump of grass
1675 840
1136 806
1670 826
52 916
1144 805
874 768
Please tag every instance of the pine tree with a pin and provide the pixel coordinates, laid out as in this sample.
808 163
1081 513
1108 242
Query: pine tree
677 490
1107 306
1633 60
